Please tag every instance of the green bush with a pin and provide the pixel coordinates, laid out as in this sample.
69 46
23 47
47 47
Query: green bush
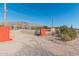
46 27
67 33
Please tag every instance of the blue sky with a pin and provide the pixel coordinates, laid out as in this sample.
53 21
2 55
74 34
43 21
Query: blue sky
40 13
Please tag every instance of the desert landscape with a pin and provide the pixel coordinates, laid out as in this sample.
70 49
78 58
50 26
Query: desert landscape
39 29
25 43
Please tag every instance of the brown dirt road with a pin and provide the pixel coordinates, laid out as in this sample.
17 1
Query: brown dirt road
24 44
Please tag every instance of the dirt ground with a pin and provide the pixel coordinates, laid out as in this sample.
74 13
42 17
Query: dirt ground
25 43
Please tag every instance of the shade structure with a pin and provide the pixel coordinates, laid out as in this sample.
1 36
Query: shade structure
4 33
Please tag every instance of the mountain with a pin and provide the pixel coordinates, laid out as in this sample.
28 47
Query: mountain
22 24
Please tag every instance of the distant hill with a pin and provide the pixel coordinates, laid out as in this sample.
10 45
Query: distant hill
22 25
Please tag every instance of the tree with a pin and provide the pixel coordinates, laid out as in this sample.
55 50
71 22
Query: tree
46 27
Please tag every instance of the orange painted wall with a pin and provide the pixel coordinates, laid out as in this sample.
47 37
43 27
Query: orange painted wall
4 33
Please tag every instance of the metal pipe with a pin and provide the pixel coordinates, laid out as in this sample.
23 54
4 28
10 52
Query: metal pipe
4 12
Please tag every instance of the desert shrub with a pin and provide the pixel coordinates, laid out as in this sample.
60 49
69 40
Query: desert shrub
65 37
67 33
1 25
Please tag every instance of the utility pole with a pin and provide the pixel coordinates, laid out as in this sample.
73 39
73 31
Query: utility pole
53 31
4 12
51 22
